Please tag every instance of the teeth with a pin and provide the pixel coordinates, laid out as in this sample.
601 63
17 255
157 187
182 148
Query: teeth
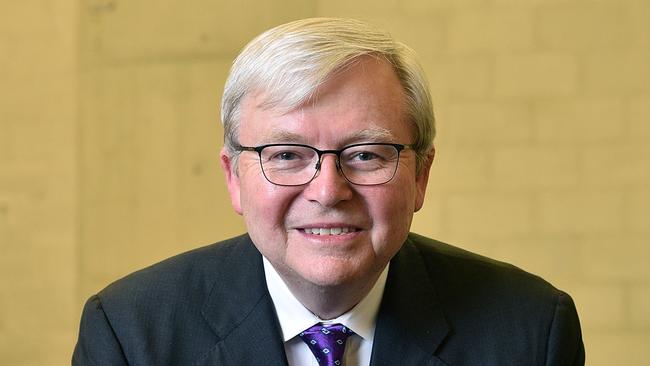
329 231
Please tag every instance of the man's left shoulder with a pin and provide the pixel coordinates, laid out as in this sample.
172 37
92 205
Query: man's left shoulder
507 315
458 272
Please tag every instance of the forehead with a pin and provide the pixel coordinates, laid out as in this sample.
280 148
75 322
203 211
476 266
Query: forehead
364 101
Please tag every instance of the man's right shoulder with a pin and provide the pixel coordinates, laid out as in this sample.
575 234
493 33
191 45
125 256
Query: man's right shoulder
192 272
171 312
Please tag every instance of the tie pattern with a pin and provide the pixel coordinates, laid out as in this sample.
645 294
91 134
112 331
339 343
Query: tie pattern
327 343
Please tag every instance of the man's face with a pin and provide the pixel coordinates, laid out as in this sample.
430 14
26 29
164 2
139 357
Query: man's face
365 97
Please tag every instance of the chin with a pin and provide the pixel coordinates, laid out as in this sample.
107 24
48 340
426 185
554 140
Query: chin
332 273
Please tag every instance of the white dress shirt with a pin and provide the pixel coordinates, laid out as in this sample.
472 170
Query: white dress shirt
295 318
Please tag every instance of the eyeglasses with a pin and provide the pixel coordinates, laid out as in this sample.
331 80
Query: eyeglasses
366 164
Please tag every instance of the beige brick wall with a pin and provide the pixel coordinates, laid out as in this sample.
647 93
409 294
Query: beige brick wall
109 138
543 159
38 185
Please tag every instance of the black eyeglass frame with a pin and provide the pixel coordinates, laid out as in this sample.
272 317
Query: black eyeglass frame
258 149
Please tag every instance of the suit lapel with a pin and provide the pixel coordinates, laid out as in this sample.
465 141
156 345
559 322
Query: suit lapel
410 323
240 312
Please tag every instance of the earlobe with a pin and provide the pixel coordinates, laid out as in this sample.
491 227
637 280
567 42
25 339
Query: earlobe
422 180
232 180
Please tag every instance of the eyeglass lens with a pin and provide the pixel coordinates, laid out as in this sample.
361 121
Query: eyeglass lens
368 164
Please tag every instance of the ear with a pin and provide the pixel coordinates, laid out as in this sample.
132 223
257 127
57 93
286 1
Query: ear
422 179
232 180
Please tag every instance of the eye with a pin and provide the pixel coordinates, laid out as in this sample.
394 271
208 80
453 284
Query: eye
286 155
368 155
364 156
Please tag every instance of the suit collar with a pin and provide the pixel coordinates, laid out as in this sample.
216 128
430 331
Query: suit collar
410 324
241 313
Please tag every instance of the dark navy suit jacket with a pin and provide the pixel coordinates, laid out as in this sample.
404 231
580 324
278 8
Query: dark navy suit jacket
441 306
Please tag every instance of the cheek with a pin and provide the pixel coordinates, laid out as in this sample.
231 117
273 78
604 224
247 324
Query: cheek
392 210
396 199
256 191
263 212
261 202
265 207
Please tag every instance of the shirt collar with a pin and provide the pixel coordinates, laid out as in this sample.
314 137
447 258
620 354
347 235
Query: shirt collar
295 318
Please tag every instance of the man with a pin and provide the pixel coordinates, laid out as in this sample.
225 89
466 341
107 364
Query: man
328 145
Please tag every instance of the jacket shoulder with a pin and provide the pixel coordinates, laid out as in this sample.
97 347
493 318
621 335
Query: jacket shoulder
509 315
452 265
157 315
192 272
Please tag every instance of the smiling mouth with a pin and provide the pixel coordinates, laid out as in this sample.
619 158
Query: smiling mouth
329 230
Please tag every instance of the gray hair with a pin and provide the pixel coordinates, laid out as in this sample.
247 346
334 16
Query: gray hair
289 62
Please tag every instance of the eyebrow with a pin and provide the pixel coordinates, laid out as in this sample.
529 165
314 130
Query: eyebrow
284 136
371 134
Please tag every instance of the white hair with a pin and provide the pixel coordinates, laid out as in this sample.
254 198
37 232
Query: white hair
288 63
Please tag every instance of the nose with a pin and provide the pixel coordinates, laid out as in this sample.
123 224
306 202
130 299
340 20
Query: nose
329 187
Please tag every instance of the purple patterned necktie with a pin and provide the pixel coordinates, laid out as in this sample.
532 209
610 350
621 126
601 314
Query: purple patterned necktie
327 342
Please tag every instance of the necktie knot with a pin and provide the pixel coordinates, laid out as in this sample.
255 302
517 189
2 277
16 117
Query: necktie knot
327 342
